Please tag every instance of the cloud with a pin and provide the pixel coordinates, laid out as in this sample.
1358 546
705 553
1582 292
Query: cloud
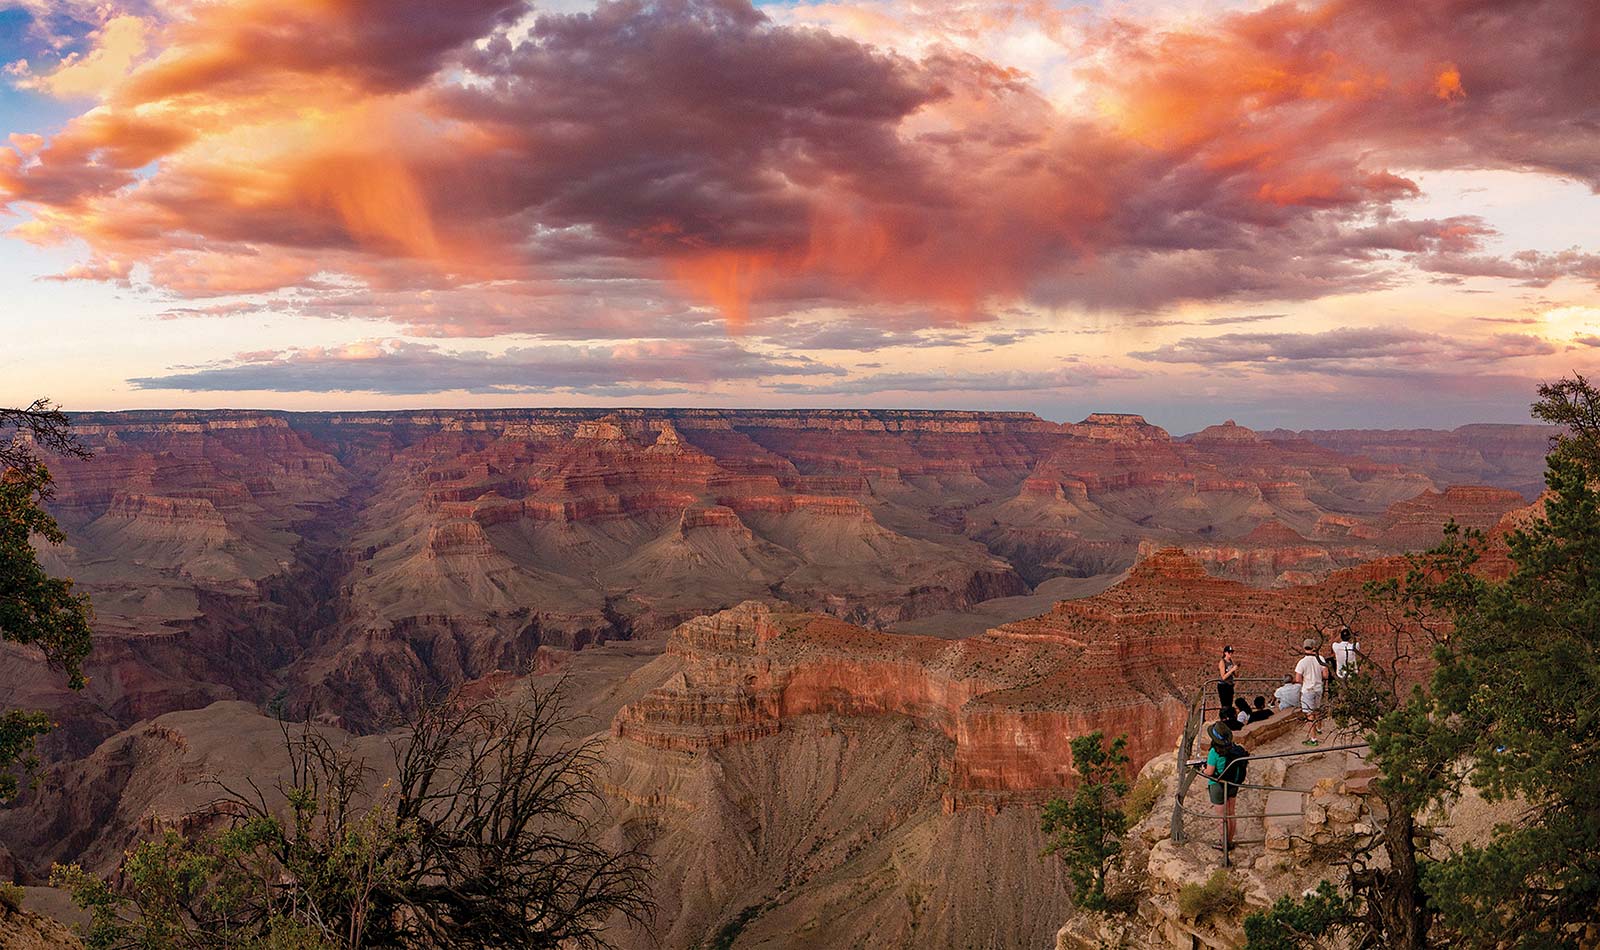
403 368
1349 351
649 156
1011 381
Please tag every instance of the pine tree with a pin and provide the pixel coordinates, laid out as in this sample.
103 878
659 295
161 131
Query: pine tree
1086 829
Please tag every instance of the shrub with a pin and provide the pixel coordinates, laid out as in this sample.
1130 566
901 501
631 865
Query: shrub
1141 799
484 838
11 896
1293 923
1218 895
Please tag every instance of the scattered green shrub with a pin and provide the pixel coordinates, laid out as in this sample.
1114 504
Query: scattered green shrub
1218 895
11 896
1141 799
1296 923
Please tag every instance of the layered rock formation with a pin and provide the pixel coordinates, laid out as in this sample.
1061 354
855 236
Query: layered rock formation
1009 700
358 559
1505 456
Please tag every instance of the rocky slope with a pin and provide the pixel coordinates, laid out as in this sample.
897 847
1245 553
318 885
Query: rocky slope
347 565
801 778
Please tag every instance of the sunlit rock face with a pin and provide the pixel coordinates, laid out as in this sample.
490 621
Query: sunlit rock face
354 560
1125 661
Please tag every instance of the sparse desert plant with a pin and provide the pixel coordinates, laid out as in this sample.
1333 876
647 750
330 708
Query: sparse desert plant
1141 799
11 897
1219 895
485 838
1293 922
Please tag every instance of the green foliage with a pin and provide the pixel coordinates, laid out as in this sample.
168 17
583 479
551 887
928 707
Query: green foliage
18 730
11 896
1292 923
1524 668
1512 704
222 892
1086 829
1141 799
35 610
1218 896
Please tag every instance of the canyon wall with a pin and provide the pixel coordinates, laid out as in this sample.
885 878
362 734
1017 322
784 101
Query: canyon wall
353 561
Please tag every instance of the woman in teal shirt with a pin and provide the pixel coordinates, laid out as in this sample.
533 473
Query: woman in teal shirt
1223 755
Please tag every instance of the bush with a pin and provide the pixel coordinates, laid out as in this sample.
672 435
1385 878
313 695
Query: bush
1218 895
1141 799
11 897
484 838
1294 923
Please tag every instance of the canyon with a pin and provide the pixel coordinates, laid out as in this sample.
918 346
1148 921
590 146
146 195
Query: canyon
833 657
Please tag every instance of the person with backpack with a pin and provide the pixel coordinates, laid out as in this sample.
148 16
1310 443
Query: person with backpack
1226 768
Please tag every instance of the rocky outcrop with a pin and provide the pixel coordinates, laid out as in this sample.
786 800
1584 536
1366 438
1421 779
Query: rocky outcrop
21 930
1419 523
1123 661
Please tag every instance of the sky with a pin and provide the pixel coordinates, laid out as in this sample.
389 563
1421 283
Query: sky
1350 213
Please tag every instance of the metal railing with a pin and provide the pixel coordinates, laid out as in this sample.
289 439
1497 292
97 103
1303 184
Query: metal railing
1189 768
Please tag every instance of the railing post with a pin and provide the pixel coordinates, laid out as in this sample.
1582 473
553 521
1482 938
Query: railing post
1191 729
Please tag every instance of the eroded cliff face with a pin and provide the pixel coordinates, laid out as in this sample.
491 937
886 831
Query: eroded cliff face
1010 700
811 781
356 560
1505 456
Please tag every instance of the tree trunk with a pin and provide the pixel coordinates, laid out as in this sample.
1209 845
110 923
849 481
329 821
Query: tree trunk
1401 902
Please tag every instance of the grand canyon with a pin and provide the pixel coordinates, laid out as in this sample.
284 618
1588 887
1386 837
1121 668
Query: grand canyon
833 658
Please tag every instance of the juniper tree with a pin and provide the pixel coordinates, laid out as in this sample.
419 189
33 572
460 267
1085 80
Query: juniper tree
1086 829
36 610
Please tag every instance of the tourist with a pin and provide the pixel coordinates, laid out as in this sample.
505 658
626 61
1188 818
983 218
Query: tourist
1242 708
1311 675
1261 711
1230 718
1225 766
1345 652
1287 695
1227 670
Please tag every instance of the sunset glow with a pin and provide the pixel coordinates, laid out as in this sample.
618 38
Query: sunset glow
1302 214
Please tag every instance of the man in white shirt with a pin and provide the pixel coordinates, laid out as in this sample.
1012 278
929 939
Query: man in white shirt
1287 695
1309 674
1345 652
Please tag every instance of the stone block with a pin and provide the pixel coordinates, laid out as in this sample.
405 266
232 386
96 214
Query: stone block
1344 809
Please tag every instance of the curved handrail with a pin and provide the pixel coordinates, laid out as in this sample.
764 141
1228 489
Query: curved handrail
1189 767
1191 731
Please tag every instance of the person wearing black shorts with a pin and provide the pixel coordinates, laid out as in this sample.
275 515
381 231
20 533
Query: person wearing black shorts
1227 670
1220 761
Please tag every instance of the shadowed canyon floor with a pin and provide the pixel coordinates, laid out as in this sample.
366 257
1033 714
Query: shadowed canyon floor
917 612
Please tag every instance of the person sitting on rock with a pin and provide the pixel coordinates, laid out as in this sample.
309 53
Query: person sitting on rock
1261 711
1230 718
1311 675
1242 710
1225 766
1287 695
